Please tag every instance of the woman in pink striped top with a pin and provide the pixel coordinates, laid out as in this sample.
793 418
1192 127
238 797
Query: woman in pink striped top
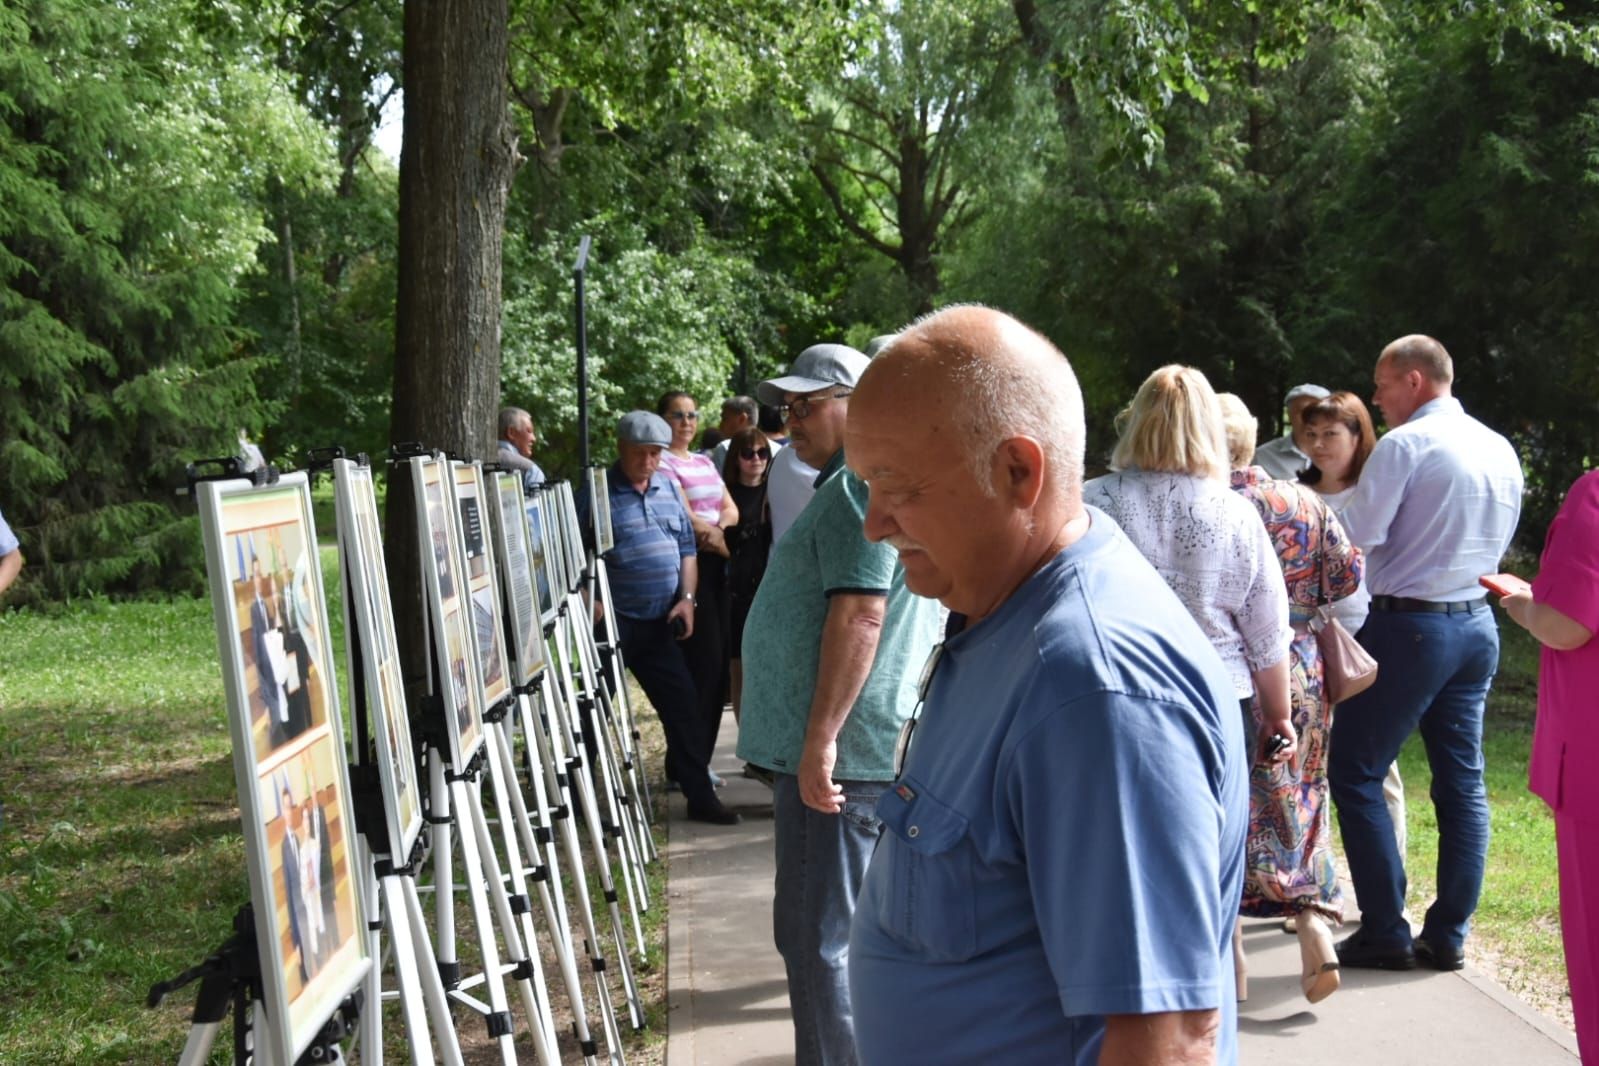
711 509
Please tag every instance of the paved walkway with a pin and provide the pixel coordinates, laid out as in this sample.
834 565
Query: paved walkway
727 1001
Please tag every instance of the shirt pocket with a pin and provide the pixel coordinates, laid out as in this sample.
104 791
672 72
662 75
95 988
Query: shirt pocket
929 903
671 522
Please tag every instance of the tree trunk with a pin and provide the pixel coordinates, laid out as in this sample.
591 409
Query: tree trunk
456 163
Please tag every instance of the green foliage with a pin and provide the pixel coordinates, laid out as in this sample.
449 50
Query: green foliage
133 149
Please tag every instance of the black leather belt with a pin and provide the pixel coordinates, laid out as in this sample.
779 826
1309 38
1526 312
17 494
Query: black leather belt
1405 603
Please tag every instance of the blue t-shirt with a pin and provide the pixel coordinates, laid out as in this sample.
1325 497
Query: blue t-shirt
653 534
1067 839
8 539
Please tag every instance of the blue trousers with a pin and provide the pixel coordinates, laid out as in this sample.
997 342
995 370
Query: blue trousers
1433 675
821 861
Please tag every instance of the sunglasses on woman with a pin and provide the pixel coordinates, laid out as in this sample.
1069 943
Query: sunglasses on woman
751 453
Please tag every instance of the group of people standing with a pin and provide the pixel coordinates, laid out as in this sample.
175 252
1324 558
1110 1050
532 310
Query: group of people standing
1038 844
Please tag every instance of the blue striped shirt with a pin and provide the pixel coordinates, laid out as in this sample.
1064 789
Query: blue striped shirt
653 534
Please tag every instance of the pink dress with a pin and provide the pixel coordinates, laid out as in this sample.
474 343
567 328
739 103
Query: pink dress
701 482
1565 743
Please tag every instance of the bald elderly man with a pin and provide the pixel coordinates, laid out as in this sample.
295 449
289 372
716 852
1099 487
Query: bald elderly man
1062 854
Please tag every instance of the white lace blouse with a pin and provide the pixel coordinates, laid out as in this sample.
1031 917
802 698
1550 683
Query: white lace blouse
1213 550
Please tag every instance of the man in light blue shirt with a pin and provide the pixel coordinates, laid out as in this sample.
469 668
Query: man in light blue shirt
1435 509
1062 856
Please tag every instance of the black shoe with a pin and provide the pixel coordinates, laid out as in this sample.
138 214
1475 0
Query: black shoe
717 815
1436 957
1361 953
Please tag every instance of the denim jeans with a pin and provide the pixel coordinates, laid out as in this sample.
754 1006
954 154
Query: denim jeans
1434 671
821 861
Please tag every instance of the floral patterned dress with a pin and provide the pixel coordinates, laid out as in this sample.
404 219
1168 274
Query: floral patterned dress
1289 863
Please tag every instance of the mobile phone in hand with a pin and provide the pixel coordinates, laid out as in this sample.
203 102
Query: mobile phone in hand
1503 584
679 627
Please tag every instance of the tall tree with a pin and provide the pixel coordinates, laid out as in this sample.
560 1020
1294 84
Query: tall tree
456 163
134 141
894 145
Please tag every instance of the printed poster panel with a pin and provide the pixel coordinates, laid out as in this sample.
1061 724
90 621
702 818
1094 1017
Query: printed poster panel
516 578
288 751
488 627
369 613
600 510
448 593
541 556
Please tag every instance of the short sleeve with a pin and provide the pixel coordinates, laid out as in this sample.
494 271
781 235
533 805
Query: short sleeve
1263 617
1568 574
8 539
1146 863
847 560
685 529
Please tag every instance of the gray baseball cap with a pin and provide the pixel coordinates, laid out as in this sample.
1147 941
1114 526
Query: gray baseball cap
816 367
642 427
1315 392
878 343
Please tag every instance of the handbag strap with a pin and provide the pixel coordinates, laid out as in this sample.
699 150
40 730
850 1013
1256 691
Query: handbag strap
1321 557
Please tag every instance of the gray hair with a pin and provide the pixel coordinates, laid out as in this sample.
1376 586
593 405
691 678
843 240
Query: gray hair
509 417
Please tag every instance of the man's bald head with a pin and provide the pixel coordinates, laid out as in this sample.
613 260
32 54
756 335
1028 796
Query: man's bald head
968 429
981 377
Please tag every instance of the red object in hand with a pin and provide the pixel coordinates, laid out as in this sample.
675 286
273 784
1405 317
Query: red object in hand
1504 584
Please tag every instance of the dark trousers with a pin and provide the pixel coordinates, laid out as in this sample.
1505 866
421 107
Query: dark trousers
707 649
1434 675
656 659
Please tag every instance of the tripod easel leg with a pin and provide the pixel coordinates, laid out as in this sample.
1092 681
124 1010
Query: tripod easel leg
407 912
523 949
551 891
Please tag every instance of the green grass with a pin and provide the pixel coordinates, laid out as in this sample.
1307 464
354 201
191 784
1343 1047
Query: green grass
121 859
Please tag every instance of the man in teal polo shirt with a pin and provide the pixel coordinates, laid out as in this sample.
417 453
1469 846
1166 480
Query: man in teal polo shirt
832 650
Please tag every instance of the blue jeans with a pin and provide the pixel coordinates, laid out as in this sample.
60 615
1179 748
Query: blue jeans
821 861
1434 672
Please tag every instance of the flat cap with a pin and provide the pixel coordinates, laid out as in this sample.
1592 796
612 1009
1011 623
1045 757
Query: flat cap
642 427
1315 392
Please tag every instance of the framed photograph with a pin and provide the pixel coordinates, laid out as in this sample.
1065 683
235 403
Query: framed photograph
368 614
288 750
523 625
571 536
600 510
483 591
540 557
555 542
445 582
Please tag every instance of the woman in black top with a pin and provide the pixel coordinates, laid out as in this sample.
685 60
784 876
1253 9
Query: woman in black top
749 456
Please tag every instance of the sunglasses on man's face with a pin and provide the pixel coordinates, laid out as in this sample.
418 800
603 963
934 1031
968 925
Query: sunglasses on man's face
754 453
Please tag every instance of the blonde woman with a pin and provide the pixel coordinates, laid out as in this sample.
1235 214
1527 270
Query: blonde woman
1168 491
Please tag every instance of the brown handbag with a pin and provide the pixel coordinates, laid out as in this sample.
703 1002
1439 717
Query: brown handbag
1347 668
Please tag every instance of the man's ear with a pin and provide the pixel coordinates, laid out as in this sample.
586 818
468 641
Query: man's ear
1019 471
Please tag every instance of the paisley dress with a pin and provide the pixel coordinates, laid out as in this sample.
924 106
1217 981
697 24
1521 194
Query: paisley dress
1289 863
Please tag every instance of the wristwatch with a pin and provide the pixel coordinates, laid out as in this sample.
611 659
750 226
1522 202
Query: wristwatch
690 597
